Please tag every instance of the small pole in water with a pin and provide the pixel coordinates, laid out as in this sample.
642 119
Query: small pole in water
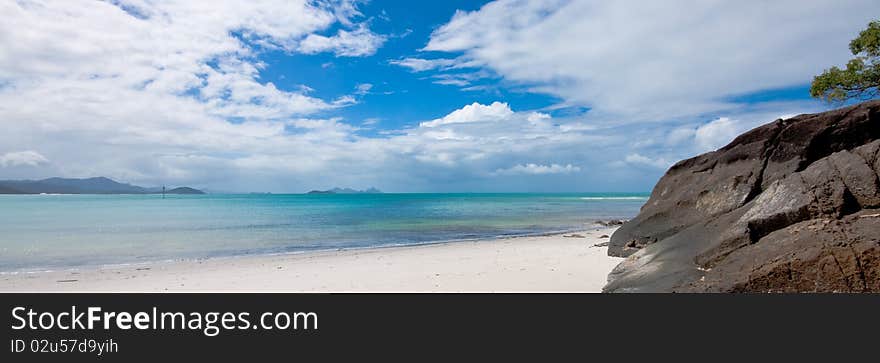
163 192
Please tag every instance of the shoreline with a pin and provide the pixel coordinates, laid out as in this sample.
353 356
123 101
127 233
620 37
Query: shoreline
561 262
86 267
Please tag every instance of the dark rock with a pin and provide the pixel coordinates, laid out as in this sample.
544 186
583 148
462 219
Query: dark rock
820 255
611 222
787 206
603 236
601 244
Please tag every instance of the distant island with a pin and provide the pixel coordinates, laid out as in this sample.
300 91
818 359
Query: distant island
98 185
184 190
346 191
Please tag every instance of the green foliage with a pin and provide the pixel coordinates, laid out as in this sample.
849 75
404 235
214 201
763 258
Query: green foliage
861 77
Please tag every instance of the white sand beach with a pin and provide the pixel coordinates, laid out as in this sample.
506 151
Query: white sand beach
555 263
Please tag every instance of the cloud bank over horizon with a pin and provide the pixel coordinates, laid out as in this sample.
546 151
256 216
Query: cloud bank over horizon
182 92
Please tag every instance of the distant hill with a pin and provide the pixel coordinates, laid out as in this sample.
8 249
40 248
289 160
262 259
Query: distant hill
346 191
184 190
7 190
98 185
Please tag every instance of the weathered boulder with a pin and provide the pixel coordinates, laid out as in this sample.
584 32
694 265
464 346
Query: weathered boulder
788 206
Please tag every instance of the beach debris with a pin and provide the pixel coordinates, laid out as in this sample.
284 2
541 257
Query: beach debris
574 235
603 244
72 280
604 236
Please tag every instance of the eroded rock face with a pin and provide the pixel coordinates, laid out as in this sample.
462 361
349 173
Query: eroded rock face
788 206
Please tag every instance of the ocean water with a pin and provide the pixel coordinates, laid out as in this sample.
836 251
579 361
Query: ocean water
63 231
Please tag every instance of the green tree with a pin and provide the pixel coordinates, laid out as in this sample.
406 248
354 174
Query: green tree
861 78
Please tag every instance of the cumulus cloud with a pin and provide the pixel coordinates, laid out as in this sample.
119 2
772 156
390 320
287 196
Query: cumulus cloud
652 61
183 143
135 89
680 135
474 113
698 137
638 159
478 137
170 93
716 134
538 169
22 158
357 43
197 59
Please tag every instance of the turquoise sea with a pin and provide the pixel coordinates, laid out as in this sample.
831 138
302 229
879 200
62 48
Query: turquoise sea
63 231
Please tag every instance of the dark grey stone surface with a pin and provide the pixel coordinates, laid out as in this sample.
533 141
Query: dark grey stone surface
789 206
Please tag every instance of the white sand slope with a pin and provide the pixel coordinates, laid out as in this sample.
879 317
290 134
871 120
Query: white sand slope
558 263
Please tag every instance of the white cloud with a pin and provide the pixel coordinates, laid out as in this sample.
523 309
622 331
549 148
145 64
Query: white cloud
680 135
154 138
655 61
346 10
716 134
22 158
481 137
421 65
452 81
153 91
538 169
363 88
459 79
357 43
370 121
694 138
474 113
196 59
174 96
638 159
416 64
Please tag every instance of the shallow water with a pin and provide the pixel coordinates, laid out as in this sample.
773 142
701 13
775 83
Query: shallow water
53 231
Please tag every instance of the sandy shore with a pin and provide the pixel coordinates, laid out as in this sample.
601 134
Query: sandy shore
558 263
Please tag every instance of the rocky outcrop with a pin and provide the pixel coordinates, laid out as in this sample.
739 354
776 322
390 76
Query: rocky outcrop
793 205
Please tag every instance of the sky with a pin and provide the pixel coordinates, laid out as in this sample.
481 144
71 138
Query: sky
436 96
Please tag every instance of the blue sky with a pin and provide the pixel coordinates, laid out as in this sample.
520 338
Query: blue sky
457 96
398 98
